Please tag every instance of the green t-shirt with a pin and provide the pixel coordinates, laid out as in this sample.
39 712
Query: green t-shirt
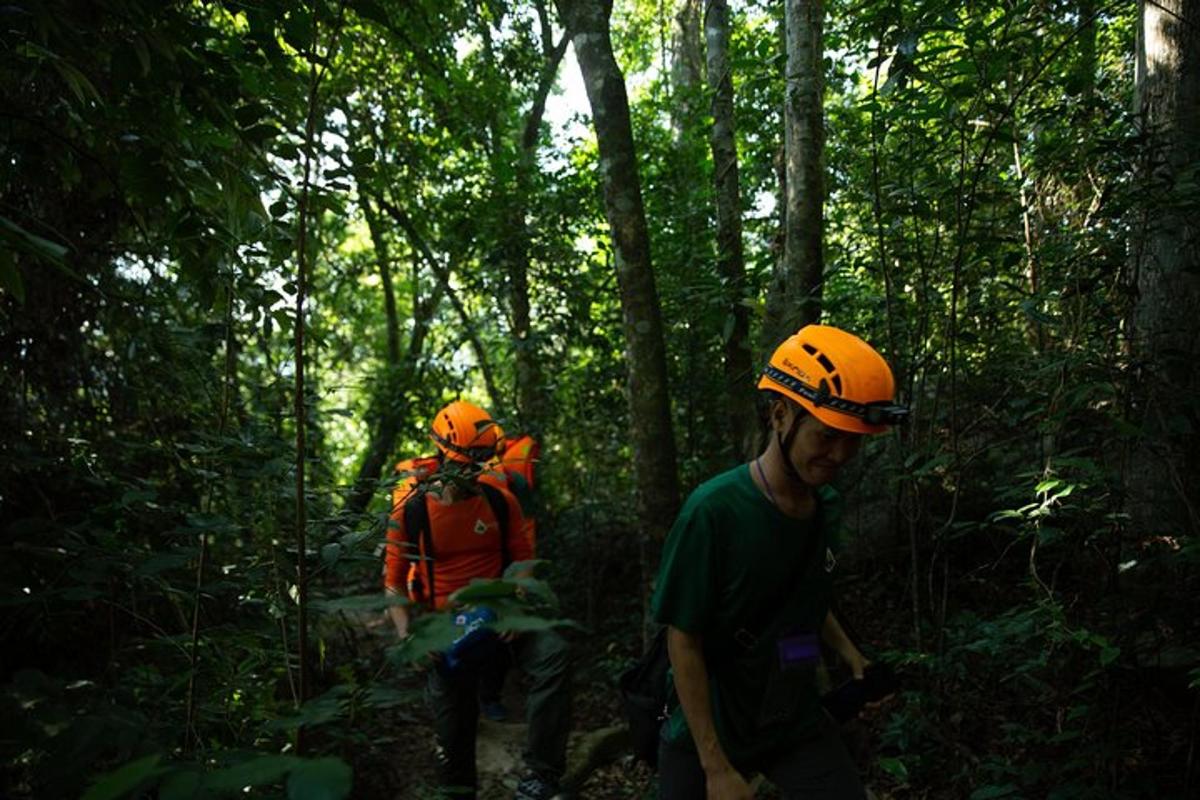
726 570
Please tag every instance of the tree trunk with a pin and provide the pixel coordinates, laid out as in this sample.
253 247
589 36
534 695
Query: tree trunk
531 389
690 248
387 414
649 405
1086 62
686 66
739 391
804 140
1165 463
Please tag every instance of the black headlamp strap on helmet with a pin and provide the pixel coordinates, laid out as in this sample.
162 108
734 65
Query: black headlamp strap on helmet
879 412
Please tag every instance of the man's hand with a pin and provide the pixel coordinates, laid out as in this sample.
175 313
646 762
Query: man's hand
726 783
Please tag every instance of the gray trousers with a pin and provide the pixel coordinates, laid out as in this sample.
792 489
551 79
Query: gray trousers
454 701
819 768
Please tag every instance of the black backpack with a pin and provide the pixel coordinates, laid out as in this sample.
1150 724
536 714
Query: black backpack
418 533
644 695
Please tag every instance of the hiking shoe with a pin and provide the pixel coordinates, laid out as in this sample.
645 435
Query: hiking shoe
495 711
533 787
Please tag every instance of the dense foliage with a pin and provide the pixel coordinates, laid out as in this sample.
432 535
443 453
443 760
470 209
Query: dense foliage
179 178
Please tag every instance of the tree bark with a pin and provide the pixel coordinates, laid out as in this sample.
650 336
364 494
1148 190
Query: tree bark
649 404
804 141
1165 462
686 66
1087 47
731 262
531 388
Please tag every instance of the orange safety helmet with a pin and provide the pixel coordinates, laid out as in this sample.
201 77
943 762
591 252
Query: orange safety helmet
836 377
464 432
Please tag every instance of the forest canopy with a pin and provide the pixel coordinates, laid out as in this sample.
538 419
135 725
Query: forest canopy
248 249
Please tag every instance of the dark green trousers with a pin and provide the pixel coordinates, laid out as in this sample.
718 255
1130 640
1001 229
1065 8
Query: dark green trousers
819 768
454 701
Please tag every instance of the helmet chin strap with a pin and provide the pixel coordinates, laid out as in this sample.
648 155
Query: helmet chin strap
785 449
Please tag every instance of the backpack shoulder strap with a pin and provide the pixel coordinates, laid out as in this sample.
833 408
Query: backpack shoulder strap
499 506
417 531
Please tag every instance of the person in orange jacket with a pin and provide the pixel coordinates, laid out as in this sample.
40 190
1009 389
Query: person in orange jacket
452 522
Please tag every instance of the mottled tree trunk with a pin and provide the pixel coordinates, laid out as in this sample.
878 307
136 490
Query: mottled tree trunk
649 404
1086 60
686 66
739 391
531 388
1165 463
689 208
804 141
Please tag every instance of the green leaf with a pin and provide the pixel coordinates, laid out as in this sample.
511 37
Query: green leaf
257 134
523 623
122 781
1047 485
298 30
532 566
182 785
76 81
320 779
31 243
894 767
989 792
250 113
257 771
10 276
369 9
429 633
484 590
327 708
360 602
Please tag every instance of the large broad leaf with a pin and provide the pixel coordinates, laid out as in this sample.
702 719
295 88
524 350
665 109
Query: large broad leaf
125 780
185 784
485 590
24 241
533 567
10 276
518 623
327 708
320 779
360 602
257 771
430 633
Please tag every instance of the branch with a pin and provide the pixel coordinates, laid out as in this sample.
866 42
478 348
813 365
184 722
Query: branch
442 273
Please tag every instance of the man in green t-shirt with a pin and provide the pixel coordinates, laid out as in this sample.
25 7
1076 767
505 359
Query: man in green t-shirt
745 582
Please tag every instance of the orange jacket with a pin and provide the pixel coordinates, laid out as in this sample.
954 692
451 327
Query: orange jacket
465 538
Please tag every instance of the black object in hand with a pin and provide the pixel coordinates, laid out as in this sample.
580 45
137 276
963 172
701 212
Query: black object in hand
844 702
